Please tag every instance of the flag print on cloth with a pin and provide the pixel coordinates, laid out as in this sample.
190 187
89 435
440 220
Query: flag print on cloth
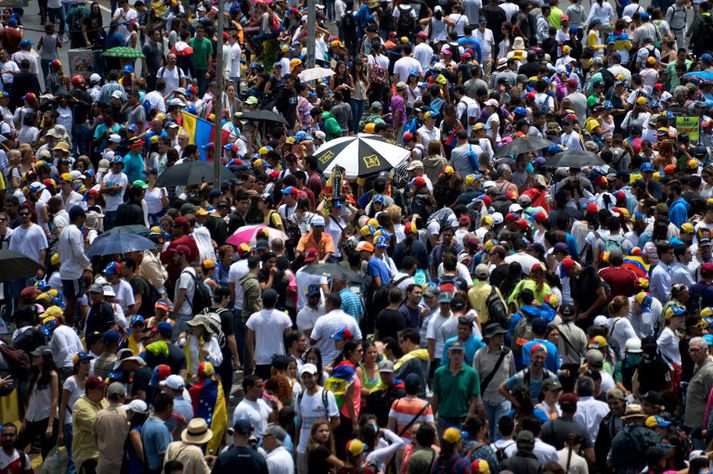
209 403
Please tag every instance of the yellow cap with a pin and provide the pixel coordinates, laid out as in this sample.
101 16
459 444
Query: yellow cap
369 128
641 100
53 312
487 220
66 177
263 150
202 212
365 231
451 435
470 179
373 222
687 227
208 263
55 259
449 171
693 164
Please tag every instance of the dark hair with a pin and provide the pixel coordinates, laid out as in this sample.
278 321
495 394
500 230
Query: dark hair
349 347
506 425
172 466
425 435
162 401
532 424
250 381
253 262
412 335
292 337
334 300
318 353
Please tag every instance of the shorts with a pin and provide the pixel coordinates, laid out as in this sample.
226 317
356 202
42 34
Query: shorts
72 288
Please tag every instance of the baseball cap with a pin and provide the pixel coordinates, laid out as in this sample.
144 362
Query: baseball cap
311 255
451 435
137 406
174 382
308 369
94 382
386 366
243 427
657 421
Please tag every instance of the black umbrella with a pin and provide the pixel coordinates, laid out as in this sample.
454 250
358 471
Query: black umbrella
360 155
264 116
119 243
524 145
334 270
575 159
190 173
136 229
14 265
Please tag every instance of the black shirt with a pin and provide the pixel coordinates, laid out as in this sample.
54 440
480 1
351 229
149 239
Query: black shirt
557 431
241 459
286 104
141 287
83 102
100 318
129 213
389 322
317 460
140 381
585 286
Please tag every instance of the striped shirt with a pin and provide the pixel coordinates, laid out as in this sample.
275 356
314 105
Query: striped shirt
108 89
351 304
404 410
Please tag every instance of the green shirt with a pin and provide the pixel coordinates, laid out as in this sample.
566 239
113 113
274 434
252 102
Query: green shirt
202 50
455 391
421 461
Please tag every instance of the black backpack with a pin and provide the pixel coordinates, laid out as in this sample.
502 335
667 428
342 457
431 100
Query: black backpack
497 311
201 295
405 25
349 25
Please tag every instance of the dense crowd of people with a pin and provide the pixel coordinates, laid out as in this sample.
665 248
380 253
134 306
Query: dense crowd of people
529 290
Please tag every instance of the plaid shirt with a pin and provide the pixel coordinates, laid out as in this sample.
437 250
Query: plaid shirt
351 304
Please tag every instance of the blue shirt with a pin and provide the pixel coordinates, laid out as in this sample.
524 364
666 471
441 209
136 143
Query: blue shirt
155 436
377 268
471 347
473 43
678 214
351 303
552 361
134 167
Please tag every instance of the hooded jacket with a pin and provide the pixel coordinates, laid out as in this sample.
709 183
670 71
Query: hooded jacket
331 126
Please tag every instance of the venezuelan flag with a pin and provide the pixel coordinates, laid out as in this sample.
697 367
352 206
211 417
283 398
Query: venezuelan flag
637 265
209 404
200 132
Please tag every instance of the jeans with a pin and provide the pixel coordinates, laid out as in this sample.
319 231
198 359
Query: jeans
81 138
447 422
71 468
493 413
239 328
57 14
12 293
109 220
181 325
200 77
357 112
329 6
45 66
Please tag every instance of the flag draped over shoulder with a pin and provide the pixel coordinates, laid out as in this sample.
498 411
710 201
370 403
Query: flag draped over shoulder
342 376
200 132
209 403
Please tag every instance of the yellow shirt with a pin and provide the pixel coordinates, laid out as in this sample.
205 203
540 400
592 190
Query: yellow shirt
478 297
84 446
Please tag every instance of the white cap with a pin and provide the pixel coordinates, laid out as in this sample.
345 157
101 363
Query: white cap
489 184
174 382
95 78
115 138
601 321
176 101
497 218
308 369
116 94
109 291
137 406
515 207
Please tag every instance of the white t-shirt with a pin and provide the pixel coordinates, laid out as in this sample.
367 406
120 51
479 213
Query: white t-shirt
460 21
238 270
29 242
114 201
153 199
329 324
279 461
434 332
186 281
404 66
75 392
255 412
235 53
304 280
124 294
307 317
668 345
309 408
269 326
172 78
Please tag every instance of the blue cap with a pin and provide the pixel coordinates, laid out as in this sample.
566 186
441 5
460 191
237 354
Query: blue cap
12 21
137 319
520 111
644 16
288 190
111 337
26 42
709 339
381 242
705 58
378 198
80 357
647 168
114 268
128 69
117 159
313 290
165 329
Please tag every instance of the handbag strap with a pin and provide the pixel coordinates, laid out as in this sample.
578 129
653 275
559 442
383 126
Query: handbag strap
484 384
413 420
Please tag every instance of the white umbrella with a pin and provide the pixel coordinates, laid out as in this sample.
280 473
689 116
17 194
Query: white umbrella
315 73
360 155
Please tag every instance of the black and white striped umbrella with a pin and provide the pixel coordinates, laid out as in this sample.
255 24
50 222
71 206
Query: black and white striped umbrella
360 155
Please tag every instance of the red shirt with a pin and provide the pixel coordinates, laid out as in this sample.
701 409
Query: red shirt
621 281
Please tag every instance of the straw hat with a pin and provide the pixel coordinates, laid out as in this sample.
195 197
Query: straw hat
197 432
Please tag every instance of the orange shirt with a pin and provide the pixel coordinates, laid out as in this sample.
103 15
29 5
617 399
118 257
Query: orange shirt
325 244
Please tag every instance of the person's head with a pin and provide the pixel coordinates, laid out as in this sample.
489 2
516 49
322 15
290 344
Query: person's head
698 349
163 405
173 466
94 388
425 435
273 437
538 354
465 327
320 433
409 339
253 387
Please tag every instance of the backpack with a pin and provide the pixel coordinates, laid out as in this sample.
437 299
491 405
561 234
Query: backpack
496 308
201 295
521 335
613 244
677 20
500 453
405 25
377 74
630 445
380 297
78 14
349 26
705 32
147 107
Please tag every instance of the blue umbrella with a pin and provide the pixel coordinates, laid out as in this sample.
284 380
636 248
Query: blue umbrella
118 243
704 75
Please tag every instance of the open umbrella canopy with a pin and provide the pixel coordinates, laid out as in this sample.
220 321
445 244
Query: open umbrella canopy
703 75
118 243
190 173
360 155
135 229
14 265
334 270
264 116
123 52
247 234
575 159
315 73
523 145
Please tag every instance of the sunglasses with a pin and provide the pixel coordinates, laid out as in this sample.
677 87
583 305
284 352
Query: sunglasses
25 214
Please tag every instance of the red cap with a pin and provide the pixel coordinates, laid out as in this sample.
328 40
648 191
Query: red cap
568 263
94 382
410 228
419 181
311 255
620 196
510 217
465 220
510 195
408 136
572 82
30 97
182 222
536 266
707 270
29 291
669 169
530 96
541 217
592 208
658 86
183 250
564 18
523 224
